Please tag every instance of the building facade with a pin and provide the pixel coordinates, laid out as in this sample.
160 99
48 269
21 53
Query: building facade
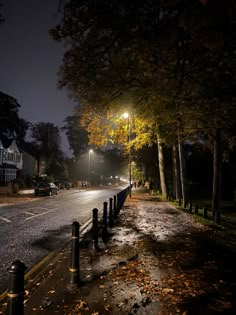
11 161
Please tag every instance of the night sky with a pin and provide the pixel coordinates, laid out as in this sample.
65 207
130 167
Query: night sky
29 61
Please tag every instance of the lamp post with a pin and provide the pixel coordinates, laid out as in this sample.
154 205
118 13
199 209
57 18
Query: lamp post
126 115
89 165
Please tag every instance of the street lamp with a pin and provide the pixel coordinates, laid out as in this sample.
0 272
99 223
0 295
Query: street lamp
126 115
89 165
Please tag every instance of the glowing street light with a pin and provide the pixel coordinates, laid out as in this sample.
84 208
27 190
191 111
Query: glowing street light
126 115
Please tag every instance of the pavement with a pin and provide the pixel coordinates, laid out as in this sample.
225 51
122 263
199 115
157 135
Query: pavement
157 260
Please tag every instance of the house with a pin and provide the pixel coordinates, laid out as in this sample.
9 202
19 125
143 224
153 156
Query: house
15 162
11 161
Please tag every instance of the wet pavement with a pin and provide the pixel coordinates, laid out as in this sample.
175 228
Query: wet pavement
157 260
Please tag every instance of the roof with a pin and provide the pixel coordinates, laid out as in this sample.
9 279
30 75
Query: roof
12 146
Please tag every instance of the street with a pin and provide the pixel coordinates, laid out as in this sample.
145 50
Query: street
30 231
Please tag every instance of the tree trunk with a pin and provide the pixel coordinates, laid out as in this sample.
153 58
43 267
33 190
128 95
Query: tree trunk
216 194
182 171
161 166
38 165
176 174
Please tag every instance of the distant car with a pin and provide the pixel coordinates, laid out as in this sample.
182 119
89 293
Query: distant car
46 189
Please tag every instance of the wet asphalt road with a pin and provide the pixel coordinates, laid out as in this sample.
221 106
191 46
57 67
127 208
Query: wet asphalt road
30 231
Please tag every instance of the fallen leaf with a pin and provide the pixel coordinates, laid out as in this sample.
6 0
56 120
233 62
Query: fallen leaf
108 308
167 290
52 291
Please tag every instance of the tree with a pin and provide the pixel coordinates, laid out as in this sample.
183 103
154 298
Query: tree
58 169
11 125
166 56
46 140
1 18
77 134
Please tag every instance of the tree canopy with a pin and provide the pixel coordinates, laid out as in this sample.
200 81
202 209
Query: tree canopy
76 133
46 138
1 18
173 62
163 57
11 125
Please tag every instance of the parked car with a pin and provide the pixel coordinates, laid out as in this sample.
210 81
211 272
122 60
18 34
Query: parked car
47 189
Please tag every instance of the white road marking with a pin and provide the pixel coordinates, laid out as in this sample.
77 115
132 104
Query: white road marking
39 214
5 220
39 208
30 213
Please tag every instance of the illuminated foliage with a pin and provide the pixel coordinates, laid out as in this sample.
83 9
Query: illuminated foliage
172 61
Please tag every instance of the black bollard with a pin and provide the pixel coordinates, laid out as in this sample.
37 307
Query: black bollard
118 202
179 202
205 212
110 212
185 204
115 207
95 228
196 209
104 219
217 218
122 197
74 269
190 207
16 288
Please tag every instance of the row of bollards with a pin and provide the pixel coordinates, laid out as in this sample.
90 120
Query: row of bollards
195 208
189 205
115 204
15 292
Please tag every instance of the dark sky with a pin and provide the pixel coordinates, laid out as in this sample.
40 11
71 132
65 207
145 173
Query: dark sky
29 61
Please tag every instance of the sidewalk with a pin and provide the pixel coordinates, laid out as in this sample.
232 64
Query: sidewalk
158 260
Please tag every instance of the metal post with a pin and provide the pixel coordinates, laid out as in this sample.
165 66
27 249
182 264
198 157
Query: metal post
115 207
104 231
16 288
129 138
118 202
179 202
196 209
95 228
75 255
190 206
110 213
205 212
89 168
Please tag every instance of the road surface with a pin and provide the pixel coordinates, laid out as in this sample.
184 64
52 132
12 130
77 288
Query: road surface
30 231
